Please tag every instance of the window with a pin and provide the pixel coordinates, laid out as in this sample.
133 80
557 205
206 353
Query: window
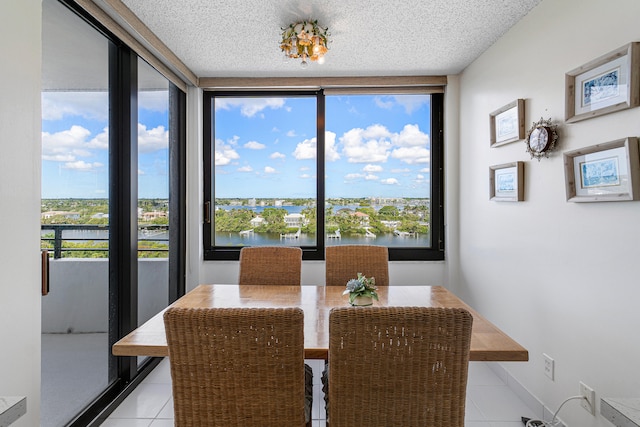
312 169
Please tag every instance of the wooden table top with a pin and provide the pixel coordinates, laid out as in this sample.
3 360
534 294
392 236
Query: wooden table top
488 343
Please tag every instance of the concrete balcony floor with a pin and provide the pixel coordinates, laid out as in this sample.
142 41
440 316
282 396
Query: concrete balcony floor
74 371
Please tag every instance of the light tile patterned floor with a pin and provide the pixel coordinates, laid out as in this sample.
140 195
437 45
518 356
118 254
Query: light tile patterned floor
490 403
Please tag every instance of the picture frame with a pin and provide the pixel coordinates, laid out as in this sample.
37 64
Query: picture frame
607 84
603 172
506 124
506 182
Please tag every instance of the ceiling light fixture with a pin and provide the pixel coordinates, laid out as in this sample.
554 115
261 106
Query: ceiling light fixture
305 40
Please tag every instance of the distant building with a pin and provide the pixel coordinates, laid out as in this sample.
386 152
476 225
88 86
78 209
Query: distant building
68 215
363 217
257 221
150 216
344 212
294 220
391 224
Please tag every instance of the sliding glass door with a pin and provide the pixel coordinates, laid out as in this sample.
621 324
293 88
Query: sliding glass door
112 210
153 192
75 215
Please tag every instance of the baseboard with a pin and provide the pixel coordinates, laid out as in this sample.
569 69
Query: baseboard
538 408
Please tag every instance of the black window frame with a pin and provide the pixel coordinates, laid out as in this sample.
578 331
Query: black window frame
215 253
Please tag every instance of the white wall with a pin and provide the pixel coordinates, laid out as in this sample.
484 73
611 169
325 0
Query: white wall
20 50
561 278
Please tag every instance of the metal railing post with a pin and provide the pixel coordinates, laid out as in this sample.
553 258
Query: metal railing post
57 243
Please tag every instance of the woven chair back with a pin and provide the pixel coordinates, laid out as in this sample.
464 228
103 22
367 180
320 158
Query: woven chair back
344 262
237 367
398 366
270 265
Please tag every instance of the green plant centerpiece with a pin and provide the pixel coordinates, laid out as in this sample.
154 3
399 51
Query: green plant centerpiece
362 291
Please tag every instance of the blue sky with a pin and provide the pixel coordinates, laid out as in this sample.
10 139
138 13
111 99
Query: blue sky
75 154
376 146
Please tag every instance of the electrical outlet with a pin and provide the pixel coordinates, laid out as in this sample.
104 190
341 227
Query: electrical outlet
548 366
589 403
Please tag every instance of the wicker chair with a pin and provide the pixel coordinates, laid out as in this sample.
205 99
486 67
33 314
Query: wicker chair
398 366
344 262
237 367
270 265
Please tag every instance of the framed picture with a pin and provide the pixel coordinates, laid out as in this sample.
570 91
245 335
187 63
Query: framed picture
604 172
506 182
507 123
606 84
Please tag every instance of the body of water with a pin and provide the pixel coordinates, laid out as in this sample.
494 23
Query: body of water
86 235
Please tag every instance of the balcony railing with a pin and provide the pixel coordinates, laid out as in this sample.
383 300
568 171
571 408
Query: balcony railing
63 234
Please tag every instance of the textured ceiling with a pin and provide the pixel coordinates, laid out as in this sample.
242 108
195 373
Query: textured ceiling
240 38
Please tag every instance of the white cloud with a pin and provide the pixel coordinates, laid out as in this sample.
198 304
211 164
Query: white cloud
66 145
59 157
351 176
305 150
330 149
101 140
405 170
81 165
89 105
150 140
409 102
254 145
140 172
292 133
372 168
249 107
371 177
425 170
420 179
245 169
277 155
412 102
305 176
224 153
390 181
411 155
370 145
384 102
375 144
411 136
269 169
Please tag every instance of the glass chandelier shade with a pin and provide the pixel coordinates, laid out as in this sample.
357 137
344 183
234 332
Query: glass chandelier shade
305 40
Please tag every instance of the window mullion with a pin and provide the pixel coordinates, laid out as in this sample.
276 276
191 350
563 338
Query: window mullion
320 192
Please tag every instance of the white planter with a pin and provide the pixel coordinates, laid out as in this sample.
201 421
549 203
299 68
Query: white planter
362 301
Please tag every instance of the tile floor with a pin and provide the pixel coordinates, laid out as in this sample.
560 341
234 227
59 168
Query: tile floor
490 403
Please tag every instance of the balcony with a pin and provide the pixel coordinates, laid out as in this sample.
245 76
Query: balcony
75 312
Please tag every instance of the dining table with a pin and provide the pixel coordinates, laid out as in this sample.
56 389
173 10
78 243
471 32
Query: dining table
488 342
